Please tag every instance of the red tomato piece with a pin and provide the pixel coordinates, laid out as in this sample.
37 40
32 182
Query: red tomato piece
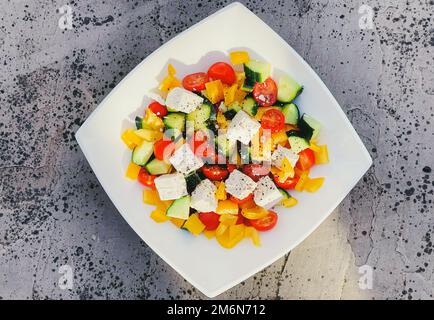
273 120
210 220
145 178
240 219
163 149
195 82
289 183
215 172
265 93
255 171
306 160
241 201
266 223
222 71
158 109
231 167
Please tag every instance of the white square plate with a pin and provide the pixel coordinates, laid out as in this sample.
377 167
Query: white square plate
203 262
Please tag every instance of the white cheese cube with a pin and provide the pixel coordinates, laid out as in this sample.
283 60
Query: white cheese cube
242 128
280 153
239 185
171 186
203 198
184 160
183 100
266 193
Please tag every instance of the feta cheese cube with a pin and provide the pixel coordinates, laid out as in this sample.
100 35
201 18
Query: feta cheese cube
171 186
239 185
266 193
203 198
280 153
183 100
184 160
242 128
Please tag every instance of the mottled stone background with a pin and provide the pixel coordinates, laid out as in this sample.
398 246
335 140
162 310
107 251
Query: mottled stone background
53 211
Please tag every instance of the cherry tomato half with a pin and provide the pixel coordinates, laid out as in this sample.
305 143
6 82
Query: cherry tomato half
273 120
266 223
222 71
255 171
195 81
210 220
265 93
241 201
231 167
163 149
289 183
306 160
240 219
215 172
158 109
145 178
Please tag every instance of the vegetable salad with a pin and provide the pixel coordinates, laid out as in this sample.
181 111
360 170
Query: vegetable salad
218 150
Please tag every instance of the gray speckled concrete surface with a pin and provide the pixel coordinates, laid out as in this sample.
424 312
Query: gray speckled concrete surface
53 211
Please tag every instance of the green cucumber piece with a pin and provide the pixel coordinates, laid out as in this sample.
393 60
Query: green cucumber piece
255 71
180 208
291 113
156 166
297 142
192 180
284 193
139 122
200 116
250 106
224 146
309 126
175 120
143 152
288 89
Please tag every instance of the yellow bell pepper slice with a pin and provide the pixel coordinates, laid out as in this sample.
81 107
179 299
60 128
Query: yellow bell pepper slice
214 91
169 83
240 95
133 171
159 216
253 234
227 207
229 94
221 120
241 77
194 225
177 222
131 139
151 197
302 181
239 57
288 203
289 127
221 229
152 121
226 241
287 170
220 192
171 70
209 233
314 147
236 231
279 137
254 213
313 185
149 135
322 156
228 219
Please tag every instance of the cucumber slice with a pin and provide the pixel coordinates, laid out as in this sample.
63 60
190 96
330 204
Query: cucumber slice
230 114
250 106
200 116
143 152
291 113
175 120
309 127
192 180
180 208
298 143
156 166
225 146
139 122
288 89
255 71
233 108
